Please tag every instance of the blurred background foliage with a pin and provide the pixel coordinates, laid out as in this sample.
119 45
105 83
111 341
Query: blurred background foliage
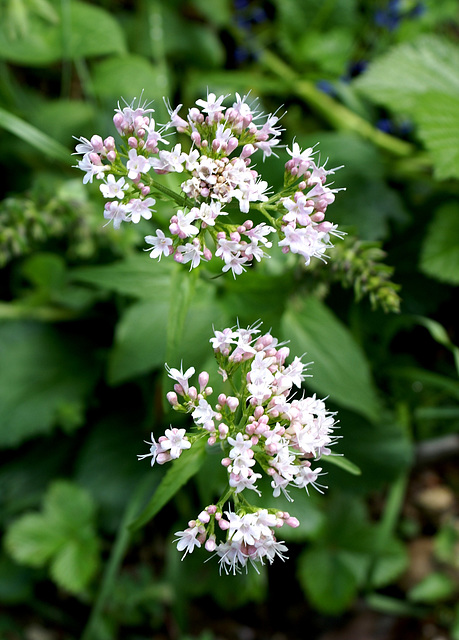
87 321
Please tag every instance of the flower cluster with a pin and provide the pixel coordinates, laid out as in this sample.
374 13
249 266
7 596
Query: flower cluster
220 184
261 430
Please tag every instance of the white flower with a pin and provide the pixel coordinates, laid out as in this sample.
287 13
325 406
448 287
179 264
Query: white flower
139 208
91 169
161 244
115 212
175 442
187 540
155 448
204 414
212 105
192 253
136 165
113 188
180 377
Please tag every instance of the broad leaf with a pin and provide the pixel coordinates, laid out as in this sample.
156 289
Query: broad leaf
340 369
329 583
140 344
68 507
137 276
437 115
44 375
31 540
126 76
75 565
178 474
399 78
440 251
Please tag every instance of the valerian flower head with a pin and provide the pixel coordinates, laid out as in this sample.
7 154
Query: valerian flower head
221 189
263 430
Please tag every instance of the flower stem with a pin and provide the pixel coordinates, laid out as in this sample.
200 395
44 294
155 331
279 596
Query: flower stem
335 113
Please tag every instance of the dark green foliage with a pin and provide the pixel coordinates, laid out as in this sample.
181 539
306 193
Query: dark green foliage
87 320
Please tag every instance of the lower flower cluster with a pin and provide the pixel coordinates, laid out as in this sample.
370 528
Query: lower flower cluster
261 430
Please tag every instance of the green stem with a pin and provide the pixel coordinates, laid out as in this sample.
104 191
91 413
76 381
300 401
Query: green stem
335 113
15 311
119 549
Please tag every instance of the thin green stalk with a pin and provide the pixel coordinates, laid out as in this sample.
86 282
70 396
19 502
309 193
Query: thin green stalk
118 552
335 113
389 520
16 311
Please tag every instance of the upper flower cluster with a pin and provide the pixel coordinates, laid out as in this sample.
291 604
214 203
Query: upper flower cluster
261 430
220 183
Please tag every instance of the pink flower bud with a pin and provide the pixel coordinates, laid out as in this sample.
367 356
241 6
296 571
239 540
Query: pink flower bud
133 142
109 143
211 440
210 544
231 145
226 462
204 517
118 120
111 156
172 398
203 379
222 399
292 522
232 403
193 393
223 524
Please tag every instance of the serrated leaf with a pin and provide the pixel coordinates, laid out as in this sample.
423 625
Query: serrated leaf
440 250
340 369
437 116
327 580
410 70
42 372
31 540
92 31
180 471
75 565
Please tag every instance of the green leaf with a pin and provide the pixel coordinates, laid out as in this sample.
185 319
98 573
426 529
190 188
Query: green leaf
343 463
87 31
437 115
433 588
63 534
406 73
178 474
94 32
126 76
438 333
61 119
136 276
75 564
340 369
140 344
392 561
68 507
32 540
327 580
440 251
43 372
33 136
